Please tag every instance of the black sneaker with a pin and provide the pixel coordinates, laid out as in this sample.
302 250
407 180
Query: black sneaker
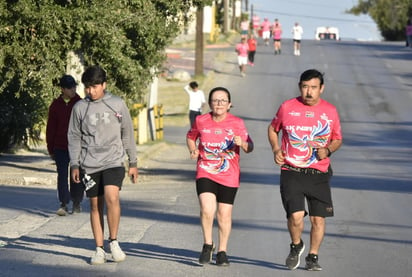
206 254
221 259
76 208
296 250
312 263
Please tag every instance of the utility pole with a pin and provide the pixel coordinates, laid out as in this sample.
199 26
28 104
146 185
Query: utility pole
199 49
225 16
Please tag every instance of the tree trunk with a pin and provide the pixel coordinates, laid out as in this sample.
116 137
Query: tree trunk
199 43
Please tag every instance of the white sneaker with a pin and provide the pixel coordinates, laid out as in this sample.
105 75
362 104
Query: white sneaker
117 253
99 257
62 211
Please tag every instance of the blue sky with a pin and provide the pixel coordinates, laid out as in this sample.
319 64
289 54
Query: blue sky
313 13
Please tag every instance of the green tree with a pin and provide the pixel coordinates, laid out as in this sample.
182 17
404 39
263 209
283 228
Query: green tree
390 16
126 37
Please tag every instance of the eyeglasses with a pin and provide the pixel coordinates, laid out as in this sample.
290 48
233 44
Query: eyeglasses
220 101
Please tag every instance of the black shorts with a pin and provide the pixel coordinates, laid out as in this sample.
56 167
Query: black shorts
223 194
295 187
111 176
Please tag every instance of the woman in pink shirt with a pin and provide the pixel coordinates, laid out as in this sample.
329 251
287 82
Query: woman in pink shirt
277 33
242 50
215 141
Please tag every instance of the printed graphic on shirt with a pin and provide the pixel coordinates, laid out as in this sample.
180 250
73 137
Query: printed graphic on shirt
104 118
218 154
306 139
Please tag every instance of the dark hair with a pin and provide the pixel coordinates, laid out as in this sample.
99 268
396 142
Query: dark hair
217 89
311 74
94 75
193 84
67 81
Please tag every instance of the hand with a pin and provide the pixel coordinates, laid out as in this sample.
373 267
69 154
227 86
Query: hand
238 141
76 175
133 174
322 153
194 155
279 157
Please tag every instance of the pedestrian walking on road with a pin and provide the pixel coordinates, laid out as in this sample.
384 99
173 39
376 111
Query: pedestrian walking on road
244 28
277 36
266 31
297 32
196 100
408 32
310 132
57 145
220 136
252 44
242 50
100 134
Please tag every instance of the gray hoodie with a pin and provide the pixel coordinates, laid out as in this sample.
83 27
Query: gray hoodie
100 134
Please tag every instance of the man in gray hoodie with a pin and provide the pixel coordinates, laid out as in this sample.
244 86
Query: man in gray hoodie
100 135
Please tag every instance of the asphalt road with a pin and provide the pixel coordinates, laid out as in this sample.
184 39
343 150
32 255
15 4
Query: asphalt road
370 235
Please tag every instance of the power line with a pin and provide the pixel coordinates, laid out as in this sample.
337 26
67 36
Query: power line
310 16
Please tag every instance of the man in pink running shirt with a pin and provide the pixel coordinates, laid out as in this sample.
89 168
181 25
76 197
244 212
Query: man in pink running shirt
266 31
311 132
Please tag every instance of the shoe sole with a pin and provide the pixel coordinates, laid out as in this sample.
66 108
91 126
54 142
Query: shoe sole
313 269
298 263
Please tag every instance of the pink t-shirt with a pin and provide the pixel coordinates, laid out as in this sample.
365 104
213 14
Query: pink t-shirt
244 25
242 49
219 156
256 22
277 33
305 128
265 25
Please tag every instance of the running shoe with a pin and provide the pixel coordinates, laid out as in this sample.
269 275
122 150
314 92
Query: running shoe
312 263
296 250
221 259
99 257
206 254
117 253
62 211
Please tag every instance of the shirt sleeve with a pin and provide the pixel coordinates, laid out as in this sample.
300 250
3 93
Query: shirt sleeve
74 138
128 140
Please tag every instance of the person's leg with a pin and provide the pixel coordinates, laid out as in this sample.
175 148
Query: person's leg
62 166
207 202
76 194
224 219
112 199
192 116
295 226
317 233
96 219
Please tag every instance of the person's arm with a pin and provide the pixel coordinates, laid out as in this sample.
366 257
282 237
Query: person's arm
129 143
51 131
326 152
187 88
74 145
247 145
192 147
273 137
